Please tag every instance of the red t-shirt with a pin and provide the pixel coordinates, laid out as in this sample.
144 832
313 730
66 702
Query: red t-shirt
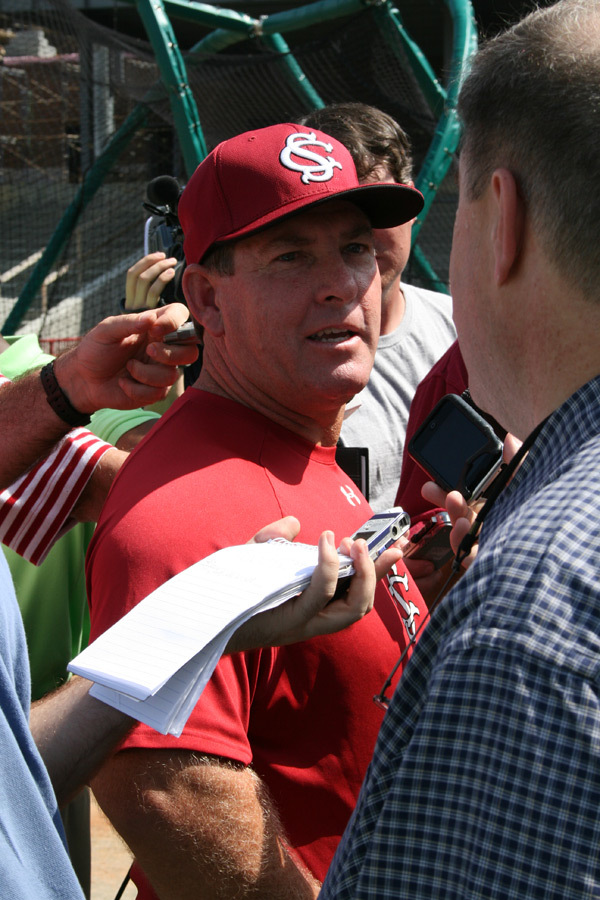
447 376
210 475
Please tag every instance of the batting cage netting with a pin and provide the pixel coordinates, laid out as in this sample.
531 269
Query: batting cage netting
89 119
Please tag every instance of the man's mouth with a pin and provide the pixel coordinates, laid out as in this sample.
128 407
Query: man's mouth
331 335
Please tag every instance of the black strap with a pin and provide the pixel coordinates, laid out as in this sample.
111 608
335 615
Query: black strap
464 549
466 545
59 401
124 884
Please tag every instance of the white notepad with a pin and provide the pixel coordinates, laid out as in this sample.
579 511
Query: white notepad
154 663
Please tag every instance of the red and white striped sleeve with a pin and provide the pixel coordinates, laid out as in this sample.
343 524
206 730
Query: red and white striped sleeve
36 509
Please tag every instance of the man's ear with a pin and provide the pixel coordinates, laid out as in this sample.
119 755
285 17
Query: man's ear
199 287
509 223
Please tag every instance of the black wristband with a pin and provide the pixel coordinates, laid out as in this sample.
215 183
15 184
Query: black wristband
59 401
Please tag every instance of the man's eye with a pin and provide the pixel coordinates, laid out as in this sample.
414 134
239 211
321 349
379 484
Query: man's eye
358 248
290 256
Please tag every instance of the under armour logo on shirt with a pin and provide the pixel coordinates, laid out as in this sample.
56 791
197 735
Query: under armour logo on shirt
317 167
352 498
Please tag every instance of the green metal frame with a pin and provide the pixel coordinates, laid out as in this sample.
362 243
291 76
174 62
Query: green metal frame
174 76
446 138
230 27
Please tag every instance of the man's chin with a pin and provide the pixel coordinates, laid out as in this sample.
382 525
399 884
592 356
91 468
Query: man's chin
346 394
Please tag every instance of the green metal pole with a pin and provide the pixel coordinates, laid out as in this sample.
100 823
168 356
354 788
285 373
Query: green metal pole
217 40
203 14
91 182
447 135
294 69
174 76
277 23
311 14
425 269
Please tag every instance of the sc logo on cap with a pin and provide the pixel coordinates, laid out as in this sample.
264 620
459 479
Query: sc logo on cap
317 167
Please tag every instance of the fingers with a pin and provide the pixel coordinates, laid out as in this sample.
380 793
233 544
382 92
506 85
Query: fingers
170 354
361 594
454 501
324 580
458 507
461 514
287 528
134 393
459 530
387 559
165 319
434 494
147 279
352 606
297 619
117 329
150 374
154 323
313 612
511 445
162 322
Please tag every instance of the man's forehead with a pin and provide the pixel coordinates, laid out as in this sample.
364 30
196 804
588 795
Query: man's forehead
348 219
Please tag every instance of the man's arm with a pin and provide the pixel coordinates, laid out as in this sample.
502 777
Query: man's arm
29 428
75 733
36 509
200 827
203 827
91 500
121 363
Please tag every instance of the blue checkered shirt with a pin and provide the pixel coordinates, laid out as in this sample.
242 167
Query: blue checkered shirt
485 781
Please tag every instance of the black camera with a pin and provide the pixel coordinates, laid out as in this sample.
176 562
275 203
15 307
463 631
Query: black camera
163 230
457 448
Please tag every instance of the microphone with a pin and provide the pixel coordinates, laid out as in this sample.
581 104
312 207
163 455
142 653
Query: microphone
163 194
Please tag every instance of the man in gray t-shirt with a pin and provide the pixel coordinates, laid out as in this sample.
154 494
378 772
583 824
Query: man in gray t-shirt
416 324
404 357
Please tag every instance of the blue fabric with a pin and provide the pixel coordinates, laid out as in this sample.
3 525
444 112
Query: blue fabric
485 782
33 858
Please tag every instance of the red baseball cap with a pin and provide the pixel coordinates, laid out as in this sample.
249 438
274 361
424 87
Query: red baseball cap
258 178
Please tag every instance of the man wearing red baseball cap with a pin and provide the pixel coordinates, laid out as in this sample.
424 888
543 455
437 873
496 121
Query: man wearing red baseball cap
252 799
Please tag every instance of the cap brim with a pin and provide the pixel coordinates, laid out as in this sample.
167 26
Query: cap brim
386 205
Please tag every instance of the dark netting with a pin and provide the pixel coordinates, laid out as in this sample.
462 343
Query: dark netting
356 62
68 84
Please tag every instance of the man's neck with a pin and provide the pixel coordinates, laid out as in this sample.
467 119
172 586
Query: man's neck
323 431
393 307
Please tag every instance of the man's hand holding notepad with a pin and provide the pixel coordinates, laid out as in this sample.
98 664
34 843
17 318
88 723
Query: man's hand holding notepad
154 662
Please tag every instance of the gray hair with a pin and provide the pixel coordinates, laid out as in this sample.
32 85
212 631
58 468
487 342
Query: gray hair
531 103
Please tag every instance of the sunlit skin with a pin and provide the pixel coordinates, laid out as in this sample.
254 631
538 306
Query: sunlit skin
293 332
470 263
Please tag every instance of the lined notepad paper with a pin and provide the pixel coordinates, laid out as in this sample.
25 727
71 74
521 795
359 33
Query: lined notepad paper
154 663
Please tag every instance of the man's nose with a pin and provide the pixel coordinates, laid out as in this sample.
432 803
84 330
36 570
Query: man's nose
338 282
